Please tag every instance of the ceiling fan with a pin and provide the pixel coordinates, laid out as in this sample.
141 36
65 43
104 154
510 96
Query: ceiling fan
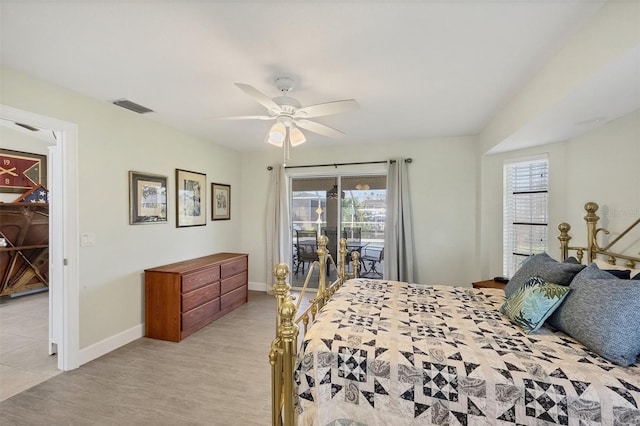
290 115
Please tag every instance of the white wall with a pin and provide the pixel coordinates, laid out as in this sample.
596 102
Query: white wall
113 141
608 36
600 166
442 181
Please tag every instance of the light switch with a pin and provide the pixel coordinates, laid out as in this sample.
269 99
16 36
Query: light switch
88 239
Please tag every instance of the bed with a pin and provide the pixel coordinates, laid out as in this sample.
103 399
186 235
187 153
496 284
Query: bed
383 352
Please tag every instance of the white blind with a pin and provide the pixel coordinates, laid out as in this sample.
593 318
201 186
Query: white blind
526 184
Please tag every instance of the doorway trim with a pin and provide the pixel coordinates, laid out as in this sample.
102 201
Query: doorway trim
64 330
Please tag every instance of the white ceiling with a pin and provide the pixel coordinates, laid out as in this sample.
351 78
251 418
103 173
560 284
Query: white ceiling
418 69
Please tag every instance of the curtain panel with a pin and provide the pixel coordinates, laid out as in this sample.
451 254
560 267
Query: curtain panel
398 234
277 224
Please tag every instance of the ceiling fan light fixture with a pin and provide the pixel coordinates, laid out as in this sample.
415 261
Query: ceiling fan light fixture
296 137
277 134
290 115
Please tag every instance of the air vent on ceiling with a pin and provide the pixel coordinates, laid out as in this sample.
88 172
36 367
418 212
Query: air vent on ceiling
124 103
26 126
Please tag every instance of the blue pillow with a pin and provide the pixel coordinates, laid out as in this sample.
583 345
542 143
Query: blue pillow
621 274
543 266
624 274
533 303
602 312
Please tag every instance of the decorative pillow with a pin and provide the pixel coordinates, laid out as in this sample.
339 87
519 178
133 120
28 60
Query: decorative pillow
543 266
602 312
607 267
623 275
533 303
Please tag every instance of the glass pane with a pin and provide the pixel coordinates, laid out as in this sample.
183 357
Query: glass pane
309 202
517 261
310 212
529 239
351 207
530 176
362 216
530 208
525 211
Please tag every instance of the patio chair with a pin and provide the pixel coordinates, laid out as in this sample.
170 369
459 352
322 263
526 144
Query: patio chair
352 234
373 256
306 246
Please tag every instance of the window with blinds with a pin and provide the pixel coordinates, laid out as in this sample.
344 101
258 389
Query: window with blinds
526 187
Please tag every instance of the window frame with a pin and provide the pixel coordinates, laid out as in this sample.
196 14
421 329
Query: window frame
515 203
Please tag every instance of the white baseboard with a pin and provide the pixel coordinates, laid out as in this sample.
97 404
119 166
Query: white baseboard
110 344
114 342
258 287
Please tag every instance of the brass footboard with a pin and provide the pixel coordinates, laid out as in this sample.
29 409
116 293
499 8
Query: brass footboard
284 347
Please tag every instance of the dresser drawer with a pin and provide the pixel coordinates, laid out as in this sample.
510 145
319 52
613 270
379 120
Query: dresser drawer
198 297
199 316
182 297
232 268
194 280
237 296
233 282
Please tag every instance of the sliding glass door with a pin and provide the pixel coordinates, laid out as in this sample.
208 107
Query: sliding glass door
362 220
351 207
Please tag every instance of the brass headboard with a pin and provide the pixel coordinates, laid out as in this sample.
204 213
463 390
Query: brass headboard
592 249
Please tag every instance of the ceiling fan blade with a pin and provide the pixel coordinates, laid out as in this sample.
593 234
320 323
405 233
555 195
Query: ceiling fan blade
327 108
249 117
318 128
260 97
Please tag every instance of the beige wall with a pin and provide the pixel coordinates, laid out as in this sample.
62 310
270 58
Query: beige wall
113 141
600 166
456 195
442 182
608 36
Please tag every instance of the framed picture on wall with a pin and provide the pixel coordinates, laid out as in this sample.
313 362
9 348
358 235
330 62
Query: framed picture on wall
21 171
220 201
191 196
147 198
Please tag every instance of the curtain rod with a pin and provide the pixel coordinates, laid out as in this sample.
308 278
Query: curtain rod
407 160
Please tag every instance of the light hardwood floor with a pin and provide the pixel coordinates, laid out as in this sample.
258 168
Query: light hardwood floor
218 376
24 356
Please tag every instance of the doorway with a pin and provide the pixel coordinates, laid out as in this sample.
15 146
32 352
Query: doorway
351 207
63 233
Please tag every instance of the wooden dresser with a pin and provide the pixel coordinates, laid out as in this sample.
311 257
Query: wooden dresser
183 297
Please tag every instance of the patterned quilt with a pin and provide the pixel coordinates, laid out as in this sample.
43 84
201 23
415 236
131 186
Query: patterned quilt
390 353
